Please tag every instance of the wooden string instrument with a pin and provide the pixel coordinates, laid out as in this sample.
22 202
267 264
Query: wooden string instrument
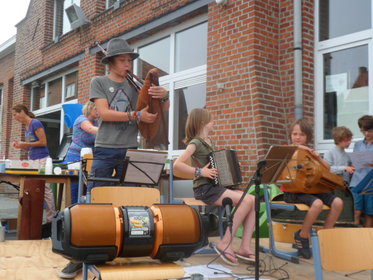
149 130
309 175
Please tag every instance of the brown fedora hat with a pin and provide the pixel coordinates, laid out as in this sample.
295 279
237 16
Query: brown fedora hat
118 46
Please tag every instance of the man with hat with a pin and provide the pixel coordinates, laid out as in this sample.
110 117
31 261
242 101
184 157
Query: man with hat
115 99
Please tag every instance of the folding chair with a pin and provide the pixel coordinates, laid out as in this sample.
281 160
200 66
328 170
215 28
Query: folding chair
290 256
121 196
342 249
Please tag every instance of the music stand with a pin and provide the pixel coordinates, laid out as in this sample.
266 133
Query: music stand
141 167
144 166
268 171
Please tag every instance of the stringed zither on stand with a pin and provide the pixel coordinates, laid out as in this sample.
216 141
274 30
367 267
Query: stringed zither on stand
307 174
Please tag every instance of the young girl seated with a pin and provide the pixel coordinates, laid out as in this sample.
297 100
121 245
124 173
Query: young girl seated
199 126
301 135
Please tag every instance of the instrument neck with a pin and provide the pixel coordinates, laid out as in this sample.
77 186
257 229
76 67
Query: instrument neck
131 79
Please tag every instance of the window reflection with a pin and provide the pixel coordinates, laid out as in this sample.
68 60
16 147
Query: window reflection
157 55
342 17
71 88
191 47
54 92
38 97
346 94
185 100
52 124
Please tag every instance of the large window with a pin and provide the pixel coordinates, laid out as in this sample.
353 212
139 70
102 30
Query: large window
47 98
343 17
346 94
148 59
61 21
191 47
343 60
180 55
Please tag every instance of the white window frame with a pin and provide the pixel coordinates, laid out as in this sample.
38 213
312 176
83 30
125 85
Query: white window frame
328 46
56 107
109 6
192 76
55 12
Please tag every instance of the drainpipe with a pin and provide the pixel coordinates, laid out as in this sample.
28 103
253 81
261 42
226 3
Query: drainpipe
298 79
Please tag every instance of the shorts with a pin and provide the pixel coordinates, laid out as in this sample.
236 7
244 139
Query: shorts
308 198
363 202
208 193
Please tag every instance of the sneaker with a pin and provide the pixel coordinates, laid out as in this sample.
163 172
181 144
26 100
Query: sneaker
70 270
302 245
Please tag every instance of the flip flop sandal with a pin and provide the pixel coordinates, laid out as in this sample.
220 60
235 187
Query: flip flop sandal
249 257
223 256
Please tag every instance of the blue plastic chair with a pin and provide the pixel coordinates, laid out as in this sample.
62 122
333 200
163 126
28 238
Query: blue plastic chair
72 111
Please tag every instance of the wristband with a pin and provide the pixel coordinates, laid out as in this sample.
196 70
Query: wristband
197 172
129 116
138 115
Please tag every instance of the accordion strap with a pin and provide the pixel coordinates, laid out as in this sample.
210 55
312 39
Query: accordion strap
196 162
205 144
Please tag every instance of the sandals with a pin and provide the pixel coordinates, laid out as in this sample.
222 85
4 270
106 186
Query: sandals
223 255
248 257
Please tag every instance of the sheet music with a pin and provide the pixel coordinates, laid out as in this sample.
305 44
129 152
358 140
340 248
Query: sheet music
145 166
361 159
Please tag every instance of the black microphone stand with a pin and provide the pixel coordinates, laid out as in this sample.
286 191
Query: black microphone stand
257 180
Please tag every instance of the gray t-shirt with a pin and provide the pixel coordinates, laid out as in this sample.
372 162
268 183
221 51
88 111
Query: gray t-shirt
338 160
121 97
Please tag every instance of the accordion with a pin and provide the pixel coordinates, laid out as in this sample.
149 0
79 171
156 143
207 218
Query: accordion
229 172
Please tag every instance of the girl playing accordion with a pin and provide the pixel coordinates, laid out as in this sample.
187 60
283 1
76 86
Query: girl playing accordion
199 145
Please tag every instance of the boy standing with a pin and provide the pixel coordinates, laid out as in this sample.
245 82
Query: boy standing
363 203
340 162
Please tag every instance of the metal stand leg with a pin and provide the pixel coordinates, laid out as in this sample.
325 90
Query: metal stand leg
316 255
85 271
290 256
80 191
92 269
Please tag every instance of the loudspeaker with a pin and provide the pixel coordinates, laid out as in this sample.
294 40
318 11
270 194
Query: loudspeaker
95 233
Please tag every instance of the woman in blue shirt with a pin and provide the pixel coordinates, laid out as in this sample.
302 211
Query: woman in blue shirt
84 134
36 145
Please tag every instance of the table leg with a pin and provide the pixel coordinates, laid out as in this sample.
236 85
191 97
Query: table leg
67 192
59 196
21 188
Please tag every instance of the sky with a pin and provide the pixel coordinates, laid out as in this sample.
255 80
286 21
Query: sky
11 13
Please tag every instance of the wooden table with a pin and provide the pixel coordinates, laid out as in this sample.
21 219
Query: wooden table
63 191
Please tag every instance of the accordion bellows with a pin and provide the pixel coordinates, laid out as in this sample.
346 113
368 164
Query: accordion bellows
229 172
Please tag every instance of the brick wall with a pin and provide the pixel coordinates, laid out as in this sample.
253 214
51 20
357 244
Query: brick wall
250 56
251 53
6 81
